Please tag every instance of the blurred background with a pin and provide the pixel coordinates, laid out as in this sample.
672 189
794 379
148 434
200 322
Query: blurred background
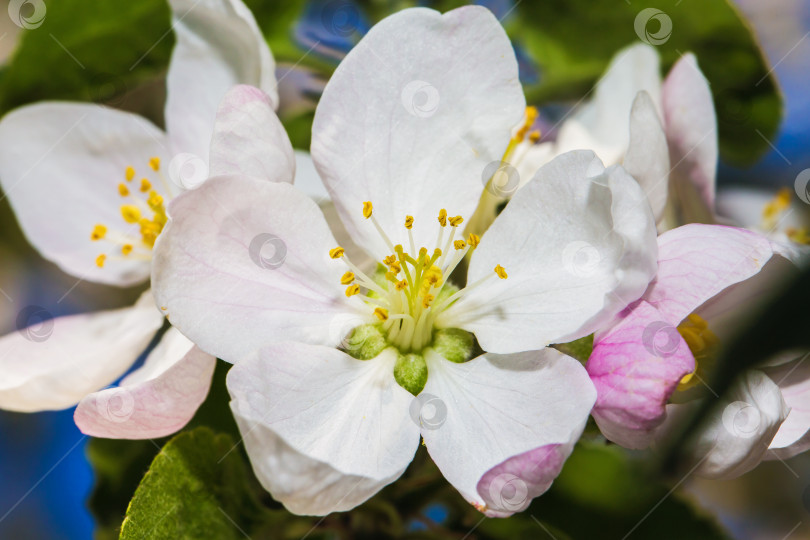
45 476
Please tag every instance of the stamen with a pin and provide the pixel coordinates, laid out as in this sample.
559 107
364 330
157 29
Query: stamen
100 260
456 221
367 209
459 244
126 249
443 217
123 190
501 272
408 222
129 174
347 278
131 213
154 163
351 290
473 240
336 253
381 313
99 232
145 185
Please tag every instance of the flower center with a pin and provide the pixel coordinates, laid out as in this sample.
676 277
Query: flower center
411 289
703 344
144 212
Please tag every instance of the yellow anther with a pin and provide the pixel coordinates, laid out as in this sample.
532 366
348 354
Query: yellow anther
154 163
389 260
473 240
437 253
531 114
534 136
155 201
367 209
800 236
456 221
381 313
145 185
459 244
433 276
100 260
443 217
351 290
777 205
501 272
126 249
702 343
426 300
422 252
408 222
123 190
336 253
99 232
347 278
401 285
129 174
395 267
131 213
697 321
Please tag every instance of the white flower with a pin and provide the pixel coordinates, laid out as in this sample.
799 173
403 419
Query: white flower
325 429
89 186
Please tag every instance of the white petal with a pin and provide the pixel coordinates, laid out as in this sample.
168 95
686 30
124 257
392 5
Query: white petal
633 69
60 165
155 400
737 433
411 118
308 180
324 431
249 138
793 379
578 244
218 46
500 427
647 158
53 364
244 263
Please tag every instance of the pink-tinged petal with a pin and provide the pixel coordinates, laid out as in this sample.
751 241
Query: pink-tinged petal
736 434
647 158
635 366
691 127
793 379
55 363
219 45
324 431
697 262
155 400
249 138
499 427
578 243
60 166
412 117
244 263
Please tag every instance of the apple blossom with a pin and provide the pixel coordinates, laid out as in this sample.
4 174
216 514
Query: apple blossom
89 186
339 370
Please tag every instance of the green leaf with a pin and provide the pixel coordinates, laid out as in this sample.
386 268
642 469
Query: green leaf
88 51
573 41
196 487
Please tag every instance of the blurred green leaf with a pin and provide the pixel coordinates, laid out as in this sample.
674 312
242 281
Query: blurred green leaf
573 41
88 51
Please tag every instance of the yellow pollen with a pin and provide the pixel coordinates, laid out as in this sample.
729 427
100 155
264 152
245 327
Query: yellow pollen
129 174
131 213
443 217
501 272
528 119
381 313
154 163
456 221
99 232
776 206
391 259
702 343
800 236
351 290
473 240
126 249
155 201
367 209
100 260
336 253
123 190
401 285
145 185
395 267
408 222
426 300
347 278
534 136
459 244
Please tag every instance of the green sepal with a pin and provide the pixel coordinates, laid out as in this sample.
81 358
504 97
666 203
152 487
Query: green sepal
411 372
454 344
365 342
